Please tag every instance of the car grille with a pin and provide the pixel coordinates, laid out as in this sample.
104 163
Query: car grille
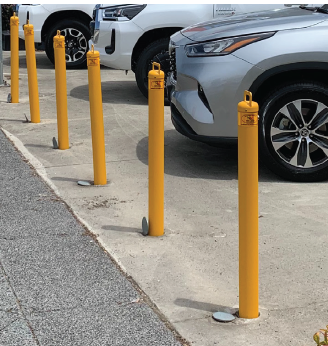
173 66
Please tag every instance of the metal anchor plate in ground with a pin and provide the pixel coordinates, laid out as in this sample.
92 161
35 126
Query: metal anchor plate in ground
145 226
223 317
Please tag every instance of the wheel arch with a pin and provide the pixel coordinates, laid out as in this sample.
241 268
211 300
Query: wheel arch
275 77
60 15
147 38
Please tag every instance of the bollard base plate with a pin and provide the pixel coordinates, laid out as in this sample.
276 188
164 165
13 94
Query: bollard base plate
26 119
145 226
223 317
54 143
83 183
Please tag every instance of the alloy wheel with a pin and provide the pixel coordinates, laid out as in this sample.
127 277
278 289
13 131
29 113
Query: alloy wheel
76 44
299 133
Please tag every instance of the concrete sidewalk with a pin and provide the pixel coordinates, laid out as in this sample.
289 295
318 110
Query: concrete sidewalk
57 285
192 271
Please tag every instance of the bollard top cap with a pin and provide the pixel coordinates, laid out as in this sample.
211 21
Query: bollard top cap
14 18
248 106
59 37
93 54
28 26
156 73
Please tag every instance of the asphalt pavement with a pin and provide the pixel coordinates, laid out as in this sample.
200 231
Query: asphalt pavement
57 284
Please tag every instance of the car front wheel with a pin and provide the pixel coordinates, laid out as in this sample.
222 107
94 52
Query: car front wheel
293 132
155 52
77 35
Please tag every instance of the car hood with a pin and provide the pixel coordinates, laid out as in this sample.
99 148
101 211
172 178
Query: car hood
255 22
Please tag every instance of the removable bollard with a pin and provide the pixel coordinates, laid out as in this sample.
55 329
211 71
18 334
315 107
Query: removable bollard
33 90
97 120
14 58
156 151
248 207
61 91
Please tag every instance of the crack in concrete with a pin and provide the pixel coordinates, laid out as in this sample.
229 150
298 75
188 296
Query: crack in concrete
19 304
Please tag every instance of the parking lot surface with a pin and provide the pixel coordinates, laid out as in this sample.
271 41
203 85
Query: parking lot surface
192 271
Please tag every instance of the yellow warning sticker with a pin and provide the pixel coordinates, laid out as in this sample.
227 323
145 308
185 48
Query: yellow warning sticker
59 44
157 84
29 32
248 119
93 62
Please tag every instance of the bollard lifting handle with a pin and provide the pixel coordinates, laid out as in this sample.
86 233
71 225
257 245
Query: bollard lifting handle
157 65
249 94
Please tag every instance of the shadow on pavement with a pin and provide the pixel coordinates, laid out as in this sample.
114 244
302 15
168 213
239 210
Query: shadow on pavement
70 179
38 146
42 62
191 159
121 229
15 120
115 92
193 304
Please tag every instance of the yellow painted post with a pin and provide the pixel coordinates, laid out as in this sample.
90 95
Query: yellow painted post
14 58
248 207
31 73
156 151
61 91
97 120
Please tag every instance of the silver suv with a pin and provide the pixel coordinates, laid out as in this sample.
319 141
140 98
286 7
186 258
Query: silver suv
281 56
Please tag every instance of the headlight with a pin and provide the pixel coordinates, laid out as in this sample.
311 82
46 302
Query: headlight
122 12
223 47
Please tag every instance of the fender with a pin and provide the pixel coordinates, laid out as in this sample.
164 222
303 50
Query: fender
299 66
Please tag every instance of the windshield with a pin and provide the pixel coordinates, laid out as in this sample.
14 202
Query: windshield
322 9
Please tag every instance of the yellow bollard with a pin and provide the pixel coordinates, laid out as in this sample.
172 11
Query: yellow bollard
31 73
248 207
156 151
61 91
97 121
14 58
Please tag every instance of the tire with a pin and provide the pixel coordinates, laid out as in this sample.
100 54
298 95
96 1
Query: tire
157 51
296 152
79 35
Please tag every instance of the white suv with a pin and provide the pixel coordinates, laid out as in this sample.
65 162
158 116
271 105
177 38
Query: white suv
73 22
131 37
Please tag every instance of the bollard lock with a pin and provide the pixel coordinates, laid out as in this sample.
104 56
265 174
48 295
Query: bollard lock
59 40
248 111
156 77
93 57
